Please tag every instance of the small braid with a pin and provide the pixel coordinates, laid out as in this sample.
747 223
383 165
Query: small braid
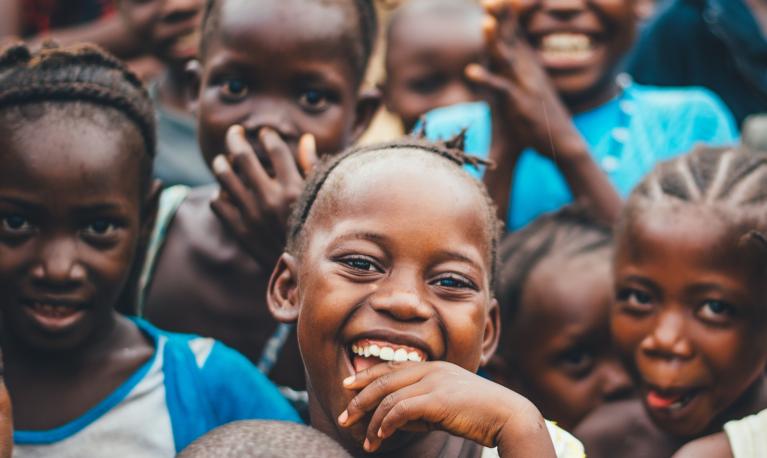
443 149
734 180
79 73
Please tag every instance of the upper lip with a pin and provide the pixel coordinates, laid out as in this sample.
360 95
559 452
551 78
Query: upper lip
408 340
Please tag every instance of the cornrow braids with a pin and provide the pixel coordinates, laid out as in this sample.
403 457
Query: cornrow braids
79 73
731 180
571 231
445 150
367 23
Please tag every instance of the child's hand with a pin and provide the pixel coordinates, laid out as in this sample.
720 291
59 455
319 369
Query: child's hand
253 205
441 395
528 107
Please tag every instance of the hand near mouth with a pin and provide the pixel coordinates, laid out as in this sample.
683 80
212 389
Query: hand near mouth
529 113
253 205
439 395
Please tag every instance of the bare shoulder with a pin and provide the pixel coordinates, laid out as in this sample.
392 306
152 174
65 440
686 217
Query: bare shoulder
623 429
713 446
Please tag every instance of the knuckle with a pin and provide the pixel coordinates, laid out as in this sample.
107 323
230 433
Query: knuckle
389 402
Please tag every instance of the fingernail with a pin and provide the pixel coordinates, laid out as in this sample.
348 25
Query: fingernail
348 380
219 164
380 432
366 445
343 417
236 129
473 70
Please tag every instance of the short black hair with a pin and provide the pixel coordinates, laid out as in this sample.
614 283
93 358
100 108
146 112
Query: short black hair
367 29
75 74
571 231
449 151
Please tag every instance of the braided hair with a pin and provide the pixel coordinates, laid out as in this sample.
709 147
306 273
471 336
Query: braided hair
366 31
570 232
448 151
733 181
73 75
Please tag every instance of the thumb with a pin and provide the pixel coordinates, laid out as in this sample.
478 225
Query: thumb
482 76
307 153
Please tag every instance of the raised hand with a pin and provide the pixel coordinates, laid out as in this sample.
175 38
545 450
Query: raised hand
441 395
253 205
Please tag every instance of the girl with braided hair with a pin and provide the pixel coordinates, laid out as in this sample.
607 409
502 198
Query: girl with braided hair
689 316
77 204
388 275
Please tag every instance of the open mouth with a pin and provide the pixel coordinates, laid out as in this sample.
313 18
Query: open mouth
563 48
53 315
365 353
185 46
670 400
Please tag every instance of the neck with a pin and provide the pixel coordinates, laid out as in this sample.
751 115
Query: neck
592 99
752 401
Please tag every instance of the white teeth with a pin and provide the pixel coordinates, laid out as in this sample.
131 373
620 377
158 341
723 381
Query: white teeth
367 352
387 354
354 349
400 355
413 356
564 42
375 350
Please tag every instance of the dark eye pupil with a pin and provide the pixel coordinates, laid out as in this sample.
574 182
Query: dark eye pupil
364 265
716 307
15 222
235 87
100 226
313 97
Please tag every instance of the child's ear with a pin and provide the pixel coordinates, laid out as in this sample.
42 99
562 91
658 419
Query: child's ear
492 333
193 74
644 9
282 292
367 106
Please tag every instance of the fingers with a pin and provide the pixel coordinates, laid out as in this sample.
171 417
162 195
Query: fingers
284 164
375 384
484 77
401 407
307 153
246 162
232 187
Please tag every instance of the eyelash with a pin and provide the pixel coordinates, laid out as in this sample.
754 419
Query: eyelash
635 300
462 283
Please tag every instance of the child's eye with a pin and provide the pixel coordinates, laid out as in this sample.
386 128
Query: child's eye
635 299
452 281
360 264
314 100
234 89
427 85
16 224
100 228
716 311
577 362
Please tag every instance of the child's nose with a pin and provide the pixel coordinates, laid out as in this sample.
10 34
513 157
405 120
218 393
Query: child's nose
59 264
401 305
668 339
269 112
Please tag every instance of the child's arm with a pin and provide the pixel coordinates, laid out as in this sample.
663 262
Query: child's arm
532 116
424 396
252 205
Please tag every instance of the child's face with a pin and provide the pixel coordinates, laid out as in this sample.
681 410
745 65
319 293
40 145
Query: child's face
282 64
566 364
170 27
689 314
396 260
70 201
425 61
579 43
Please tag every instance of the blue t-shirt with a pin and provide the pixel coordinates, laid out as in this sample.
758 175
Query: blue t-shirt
627 137
190 386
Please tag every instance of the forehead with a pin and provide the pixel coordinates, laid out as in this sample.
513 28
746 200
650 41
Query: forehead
287 30
64 156
429 34
690 241
402 196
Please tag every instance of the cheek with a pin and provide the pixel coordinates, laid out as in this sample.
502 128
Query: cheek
465 332
332 130
628 332
731 355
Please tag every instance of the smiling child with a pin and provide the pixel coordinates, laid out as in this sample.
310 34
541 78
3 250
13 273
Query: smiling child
555 291
565 128
689 317
77 204
390 257
284 72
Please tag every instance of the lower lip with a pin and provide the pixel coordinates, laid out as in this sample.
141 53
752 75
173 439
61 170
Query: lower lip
54 322
672 411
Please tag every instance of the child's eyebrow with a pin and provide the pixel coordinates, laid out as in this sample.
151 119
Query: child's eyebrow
19 202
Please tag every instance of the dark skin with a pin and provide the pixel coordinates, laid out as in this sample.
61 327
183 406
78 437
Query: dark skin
566 363
713 446
689 320
372 266
266 85
71 223
532 102
6 418
170 31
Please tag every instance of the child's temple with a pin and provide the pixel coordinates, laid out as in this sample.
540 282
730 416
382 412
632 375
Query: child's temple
383 228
